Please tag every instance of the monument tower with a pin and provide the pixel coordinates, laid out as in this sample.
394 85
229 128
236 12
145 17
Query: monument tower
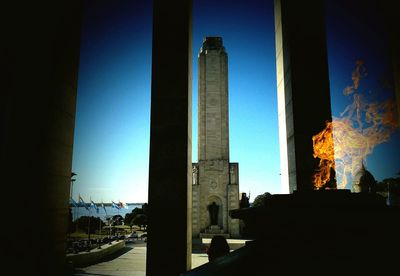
215 179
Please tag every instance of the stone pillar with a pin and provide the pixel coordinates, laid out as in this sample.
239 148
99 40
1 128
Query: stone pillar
396 74
303 87
170 171
391 21
40 58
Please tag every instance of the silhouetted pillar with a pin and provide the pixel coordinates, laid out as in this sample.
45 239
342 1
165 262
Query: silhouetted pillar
391 20
40 58
396 73
170 171
303 87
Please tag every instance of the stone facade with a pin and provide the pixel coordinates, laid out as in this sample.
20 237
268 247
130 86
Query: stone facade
215 179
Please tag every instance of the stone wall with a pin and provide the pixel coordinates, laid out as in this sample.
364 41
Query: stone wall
82 259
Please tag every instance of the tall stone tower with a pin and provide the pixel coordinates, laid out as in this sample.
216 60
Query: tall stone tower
215 179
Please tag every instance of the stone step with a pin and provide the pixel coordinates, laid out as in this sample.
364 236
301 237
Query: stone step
211 235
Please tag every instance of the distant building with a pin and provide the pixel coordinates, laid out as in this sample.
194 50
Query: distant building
363 181
215 179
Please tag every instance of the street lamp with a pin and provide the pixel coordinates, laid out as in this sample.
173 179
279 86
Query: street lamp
72 184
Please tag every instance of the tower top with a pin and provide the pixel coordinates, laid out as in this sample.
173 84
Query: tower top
212 43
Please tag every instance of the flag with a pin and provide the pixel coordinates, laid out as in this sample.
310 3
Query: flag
93 205
115 205
122 205
102 205
82 203
73 202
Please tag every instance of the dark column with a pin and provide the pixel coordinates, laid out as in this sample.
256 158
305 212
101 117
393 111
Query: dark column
303 87
40 55
396 73
390 14
170 172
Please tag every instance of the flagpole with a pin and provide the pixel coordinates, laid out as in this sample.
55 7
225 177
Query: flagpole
79 206
119 205
99 236
89 225
109 225
105 211
72 214
98 212
75 215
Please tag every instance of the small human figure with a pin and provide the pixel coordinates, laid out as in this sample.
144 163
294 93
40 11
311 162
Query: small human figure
195 175
213 209
218 248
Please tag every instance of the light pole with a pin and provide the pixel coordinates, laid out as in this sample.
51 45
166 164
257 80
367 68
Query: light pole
109 224
70 197
72 184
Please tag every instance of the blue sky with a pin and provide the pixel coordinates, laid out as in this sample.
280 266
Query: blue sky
113 107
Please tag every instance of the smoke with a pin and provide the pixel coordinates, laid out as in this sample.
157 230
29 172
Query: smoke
361 127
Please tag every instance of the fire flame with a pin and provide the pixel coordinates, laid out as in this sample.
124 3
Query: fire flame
346 142
324 149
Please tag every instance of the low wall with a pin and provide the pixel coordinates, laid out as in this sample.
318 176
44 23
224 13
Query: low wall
82 259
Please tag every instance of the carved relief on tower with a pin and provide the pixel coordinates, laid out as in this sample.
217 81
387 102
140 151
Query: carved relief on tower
195 174
233 173
215 166
213 184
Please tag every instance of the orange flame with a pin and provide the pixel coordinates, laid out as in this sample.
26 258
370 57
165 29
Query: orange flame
346 142
324 150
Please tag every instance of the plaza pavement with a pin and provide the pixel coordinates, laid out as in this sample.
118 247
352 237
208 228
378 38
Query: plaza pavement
130 261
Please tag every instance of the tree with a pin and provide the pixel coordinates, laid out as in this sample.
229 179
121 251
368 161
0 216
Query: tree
261 199
145 208
140 220
138 216
83 224
117 220
387 183
71 227
129 217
